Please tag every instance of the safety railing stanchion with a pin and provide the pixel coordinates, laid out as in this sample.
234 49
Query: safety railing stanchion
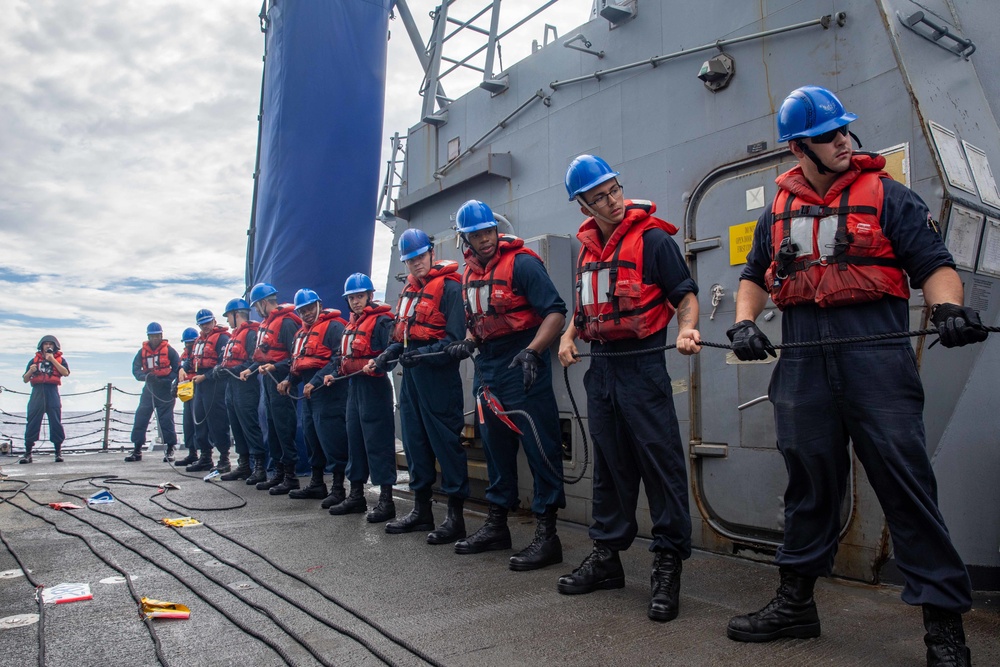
107 418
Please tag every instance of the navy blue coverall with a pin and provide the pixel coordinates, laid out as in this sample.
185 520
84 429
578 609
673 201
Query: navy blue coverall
630 409
499 442
156 395
371 435
324 415
243 403
44 401
282 420
870 394
431 404
187 409
211 421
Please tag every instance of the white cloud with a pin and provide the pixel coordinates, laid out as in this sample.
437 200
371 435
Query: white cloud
126 160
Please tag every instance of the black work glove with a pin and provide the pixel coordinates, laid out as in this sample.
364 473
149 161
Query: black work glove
409 358
529 361
749 342
957 325
383 360
461 349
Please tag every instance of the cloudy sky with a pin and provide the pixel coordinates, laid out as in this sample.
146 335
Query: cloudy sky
126 158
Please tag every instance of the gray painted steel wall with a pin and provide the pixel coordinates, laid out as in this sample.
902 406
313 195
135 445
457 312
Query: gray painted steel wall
666 133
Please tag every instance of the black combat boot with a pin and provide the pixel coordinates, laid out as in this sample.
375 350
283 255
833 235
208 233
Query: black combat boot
354 503
287 485
203 464
136 454
601 569
27 453
168 454
59 458
665 587
189 459
242 470
386 508
279 477
453 527
420 518
792 613
945 638
259 473
316 489
223 465
337 493
544 550
493 536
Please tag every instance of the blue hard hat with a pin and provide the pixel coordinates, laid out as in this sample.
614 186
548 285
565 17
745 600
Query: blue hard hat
154 329
190 335
305 297
203 316
235 304
810 111
585 173
413 243
473 216
261 291
357 283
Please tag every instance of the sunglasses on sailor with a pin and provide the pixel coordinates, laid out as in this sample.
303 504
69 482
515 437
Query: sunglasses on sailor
827 137
604 199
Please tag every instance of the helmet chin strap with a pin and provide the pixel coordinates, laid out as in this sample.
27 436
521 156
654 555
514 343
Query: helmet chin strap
820 167
594 213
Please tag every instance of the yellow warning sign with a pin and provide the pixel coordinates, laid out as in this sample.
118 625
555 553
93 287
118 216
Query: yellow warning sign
740 241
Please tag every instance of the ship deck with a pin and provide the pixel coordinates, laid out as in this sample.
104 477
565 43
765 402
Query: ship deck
396 594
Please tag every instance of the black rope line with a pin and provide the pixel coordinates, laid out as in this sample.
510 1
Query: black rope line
291 633
148 622
37 585
217 607
358 615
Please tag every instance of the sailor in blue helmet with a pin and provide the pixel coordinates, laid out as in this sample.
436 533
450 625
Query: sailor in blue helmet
629 403
211 420
429 317
275 342
184 372
880 240
242 398
155 365
45 372
371 436
513 314
316 354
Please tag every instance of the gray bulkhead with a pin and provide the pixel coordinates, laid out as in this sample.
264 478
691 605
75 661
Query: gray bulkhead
709 161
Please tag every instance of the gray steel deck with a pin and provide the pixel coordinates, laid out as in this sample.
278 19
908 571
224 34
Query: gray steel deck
461 610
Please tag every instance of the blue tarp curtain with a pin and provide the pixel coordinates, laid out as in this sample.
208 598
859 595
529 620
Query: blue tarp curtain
320 146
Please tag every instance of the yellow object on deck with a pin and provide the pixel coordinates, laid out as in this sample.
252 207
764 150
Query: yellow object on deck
160 609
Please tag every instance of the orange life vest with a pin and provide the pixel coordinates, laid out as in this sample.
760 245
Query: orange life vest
205 355
418 315
235 352
46 373
612 302
356 344
310 352
831 250
156 362
493 308
269 348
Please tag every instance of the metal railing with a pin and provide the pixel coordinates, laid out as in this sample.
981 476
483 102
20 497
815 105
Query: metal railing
103 429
